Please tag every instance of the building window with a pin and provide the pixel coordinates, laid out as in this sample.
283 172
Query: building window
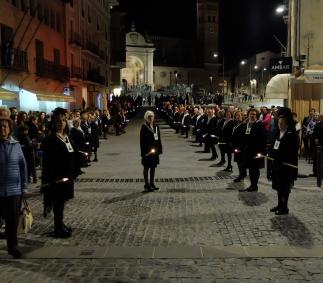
58 22
33 8
213 18
82 8
89 13
23 5
46 15
40 11
71 30
57 56
52 19
72 59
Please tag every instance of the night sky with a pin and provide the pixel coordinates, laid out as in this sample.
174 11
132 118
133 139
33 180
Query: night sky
246 26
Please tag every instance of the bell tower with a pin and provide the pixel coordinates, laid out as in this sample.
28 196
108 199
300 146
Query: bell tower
207 25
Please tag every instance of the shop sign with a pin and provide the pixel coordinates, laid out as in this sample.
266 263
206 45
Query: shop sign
282 65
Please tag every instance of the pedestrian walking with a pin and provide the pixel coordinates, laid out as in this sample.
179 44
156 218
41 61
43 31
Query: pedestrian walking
151 148
13 183
285 160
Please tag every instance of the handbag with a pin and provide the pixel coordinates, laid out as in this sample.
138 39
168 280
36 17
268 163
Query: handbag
25 218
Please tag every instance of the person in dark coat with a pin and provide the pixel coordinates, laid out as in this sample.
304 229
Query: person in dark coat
29 152
86 128
209 137
238 145
226 138
285 161
176 120
77 136
94 137
219 125
185 123
59 170
118 122
151 148
106 122
254 148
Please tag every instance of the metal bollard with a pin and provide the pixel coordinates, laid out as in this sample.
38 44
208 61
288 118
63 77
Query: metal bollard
319 166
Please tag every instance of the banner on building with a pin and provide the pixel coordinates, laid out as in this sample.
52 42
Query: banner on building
282 65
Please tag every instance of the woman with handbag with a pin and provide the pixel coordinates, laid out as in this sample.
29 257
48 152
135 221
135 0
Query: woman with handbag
151 148
13 182
60 168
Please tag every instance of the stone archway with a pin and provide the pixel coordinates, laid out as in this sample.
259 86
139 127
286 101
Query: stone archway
139 60
134 71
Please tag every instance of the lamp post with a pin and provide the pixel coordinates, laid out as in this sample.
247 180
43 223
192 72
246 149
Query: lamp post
262 81
176 74
255 67
216 55
211 85
283 10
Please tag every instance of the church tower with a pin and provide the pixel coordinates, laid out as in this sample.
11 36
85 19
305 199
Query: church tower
207 22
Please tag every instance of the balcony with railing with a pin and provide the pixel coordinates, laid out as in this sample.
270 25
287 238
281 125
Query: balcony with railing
75 39
49 69
95 76
13 59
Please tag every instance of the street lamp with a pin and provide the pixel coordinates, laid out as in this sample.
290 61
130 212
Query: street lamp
216 55
255 67
281 9
262 81
211 85
176 74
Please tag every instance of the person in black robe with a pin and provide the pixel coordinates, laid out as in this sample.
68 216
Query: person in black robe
254 148
285 161
58 173
225 139
238 145
151 148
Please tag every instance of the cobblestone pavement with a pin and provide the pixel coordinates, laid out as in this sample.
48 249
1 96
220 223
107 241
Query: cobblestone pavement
196 206
170 270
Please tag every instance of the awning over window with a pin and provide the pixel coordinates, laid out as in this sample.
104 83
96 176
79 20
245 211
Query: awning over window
8 95
277 87
53 96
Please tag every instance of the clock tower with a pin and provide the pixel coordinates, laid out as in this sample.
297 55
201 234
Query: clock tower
207 24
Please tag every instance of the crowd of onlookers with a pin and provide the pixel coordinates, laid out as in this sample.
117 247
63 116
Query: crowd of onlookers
60 144
85 128
193 120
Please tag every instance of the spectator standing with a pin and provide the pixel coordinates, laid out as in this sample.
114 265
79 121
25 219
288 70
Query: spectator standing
13 183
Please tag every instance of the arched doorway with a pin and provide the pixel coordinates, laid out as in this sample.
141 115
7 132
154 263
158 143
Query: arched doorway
134 72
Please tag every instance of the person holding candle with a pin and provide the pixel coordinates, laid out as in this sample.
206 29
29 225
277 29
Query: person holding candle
285 159
60 168
151 148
